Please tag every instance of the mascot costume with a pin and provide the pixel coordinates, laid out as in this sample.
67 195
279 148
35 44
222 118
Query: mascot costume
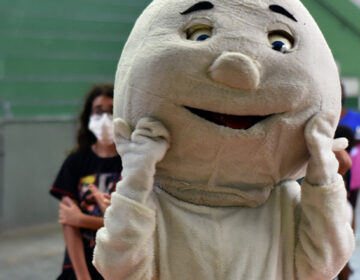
220 106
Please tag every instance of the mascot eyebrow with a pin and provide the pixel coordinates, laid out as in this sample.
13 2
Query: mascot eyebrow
283 11
204 5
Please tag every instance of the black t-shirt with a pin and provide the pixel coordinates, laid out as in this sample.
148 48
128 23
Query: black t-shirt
79 170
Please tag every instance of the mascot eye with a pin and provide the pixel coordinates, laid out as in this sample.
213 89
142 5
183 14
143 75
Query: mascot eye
281 41
199 33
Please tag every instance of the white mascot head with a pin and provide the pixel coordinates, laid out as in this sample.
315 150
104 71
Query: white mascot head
235 82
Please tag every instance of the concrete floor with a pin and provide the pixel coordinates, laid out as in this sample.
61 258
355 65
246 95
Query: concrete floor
32 254
36 253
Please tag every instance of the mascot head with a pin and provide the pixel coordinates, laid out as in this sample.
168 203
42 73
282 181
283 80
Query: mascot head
235 82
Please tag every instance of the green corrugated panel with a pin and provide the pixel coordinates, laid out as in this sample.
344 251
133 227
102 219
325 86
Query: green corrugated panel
53 68
52 52
51 91
45 110
78 9
340 23
343 9
63 27
57 47
344 43
56 50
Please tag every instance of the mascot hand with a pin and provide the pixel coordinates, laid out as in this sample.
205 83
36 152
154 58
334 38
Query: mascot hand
323 166
147 144
140 150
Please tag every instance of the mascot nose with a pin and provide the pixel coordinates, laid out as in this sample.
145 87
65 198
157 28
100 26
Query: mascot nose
235 70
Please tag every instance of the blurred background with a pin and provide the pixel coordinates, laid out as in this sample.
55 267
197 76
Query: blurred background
51 53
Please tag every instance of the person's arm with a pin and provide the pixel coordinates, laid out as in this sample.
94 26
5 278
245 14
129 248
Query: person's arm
125 247
70 214
90 222
325 238
66 184
75 248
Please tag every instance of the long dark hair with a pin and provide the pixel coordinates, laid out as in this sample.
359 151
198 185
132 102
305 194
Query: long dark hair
85 138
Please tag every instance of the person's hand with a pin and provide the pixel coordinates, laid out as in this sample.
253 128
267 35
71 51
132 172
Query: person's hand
344 160
69 212
323 166
102 199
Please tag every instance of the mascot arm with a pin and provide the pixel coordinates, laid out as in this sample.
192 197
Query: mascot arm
125 245
325 238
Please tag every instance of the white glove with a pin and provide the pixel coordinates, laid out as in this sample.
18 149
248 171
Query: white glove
323 166
140 150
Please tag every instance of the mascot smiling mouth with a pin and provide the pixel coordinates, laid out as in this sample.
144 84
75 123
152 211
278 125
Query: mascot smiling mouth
231 121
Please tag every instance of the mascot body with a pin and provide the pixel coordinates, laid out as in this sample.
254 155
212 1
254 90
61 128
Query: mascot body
249 94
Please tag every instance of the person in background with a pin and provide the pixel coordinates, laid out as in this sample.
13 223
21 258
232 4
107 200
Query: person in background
84 184
355 172
349 117
343 157
345 163
350 120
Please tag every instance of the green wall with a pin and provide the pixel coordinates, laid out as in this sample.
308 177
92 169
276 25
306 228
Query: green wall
51 52
340 23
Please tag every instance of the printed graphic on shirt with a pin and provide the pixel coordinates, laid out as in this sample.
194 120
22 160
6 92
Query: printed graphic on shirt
105 183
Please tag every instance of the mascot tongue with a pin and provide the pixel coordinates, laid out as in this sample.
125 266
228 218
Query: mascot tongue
232 121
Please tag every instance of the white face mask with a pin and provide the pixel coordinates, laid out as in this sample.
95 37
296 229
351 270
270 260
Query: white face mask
102 127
